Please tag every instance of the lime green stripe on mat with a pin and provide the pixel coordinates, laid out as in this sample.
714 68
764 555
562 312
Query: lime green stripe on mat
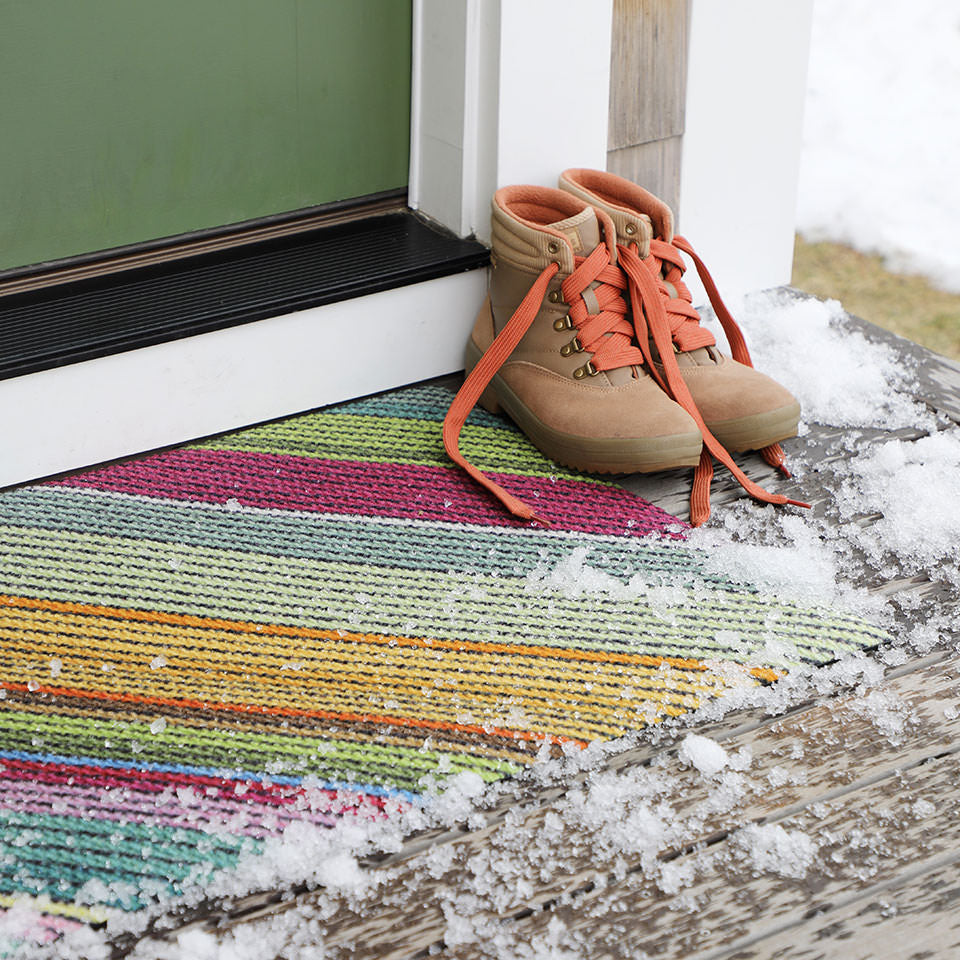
228 748
342 436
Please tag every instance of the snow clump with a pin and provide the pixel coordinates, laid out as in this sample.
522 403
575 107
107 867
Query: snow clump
773 849
703 753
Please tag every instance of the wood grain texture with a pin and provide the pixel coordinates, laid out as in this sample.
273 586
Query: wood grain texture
845 765
655 165
913 916
871 836
648 71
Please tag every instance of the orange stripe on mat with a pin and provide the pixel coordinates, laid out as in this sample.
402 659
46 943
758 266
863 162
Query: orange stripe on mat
459 646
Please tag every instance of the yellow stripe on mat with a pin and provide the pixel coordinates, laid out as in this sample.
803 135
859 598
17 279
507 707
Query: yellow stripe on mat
168 658
53 908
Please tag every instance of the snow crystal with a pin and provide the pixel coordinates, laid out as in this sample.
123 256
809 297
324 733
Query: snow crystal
913 485
703 753
158 725
457 795
573 578
889 714
341 872
800 566
773 849
199 944
674 876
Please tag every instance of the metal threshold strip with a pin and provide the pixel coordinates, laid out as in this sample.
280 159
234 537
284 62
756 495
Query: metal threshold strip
96 316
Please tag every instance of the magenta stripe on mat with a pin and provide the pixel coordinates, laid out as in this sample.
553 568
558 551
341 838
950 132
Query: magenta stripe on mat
372 489
155 785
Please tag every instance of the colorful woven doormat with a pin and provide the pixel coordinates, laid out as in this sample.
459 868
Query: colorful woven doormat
300 621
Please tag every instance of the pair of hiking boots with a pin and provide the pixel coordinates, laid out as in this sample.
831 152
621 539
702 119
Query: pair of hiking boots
589 341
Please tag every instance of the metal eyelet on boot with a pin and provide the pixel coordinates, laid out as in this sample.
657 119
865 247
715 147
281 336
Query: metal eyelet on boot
563 323
554 296
587 370
574 346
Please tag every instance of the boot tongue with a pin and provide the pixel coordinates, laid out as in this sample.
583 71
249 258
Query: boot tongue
582 230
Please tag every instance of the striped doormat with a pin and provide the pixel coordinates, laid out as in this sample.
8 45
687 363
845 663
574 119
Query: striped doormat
301 621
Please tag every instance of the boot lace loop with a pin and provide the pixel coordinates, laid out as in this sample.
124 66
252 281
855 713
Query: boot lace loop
667 266
606 333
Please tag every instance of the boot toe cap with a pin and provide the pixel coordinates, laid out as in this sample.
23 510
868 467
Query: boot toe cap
743 408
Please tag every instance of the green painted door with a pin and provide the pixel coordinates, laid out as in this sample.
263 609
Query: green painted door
130 120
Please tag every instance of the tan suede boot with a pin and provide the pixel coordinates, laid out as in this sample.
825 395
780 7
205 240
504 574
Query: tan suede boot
737 407
743 408
552 347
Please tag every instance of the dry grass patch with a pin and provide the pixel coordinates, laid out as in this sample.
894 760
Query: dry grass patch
906 305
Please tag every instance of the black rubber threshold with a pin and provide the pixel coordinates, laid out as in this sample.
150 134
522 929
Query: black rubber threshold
99 316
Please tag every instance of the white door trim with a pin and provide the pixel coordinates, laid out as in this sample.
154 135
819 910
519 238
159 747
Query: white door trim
86 413
491 107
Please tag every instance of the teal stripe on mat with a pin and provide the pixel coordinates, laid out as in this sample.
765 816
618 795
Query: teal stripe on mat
110 852
406 545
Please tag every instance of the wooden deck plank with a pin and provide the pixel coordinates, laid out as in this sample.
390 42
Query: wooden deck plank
876 835
836 745
911 917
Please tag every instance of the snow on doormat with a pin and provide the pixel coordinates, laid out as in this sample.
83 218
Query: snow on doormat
239 665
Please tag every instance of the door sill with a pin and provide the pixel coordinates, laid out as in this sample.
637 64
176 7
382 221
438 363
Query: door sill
98 316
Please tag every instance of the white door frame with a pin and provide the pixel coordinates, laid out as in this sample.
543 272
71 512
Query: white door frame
504 92
743 129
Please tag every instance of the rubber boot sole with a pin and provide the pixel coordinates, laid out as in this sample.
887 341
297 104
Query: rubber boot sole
589 454
758 430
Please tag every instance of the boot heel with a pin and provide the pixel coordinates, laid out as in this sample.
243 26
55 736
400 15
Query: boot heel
488 400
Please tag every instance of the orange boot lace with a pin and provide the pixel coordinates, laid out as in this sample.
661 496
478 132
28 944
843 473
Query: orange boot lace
608 335
672 320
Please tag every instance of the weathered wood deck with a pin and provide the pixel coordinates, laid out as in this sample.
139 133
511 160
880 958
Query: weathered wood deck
887 875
